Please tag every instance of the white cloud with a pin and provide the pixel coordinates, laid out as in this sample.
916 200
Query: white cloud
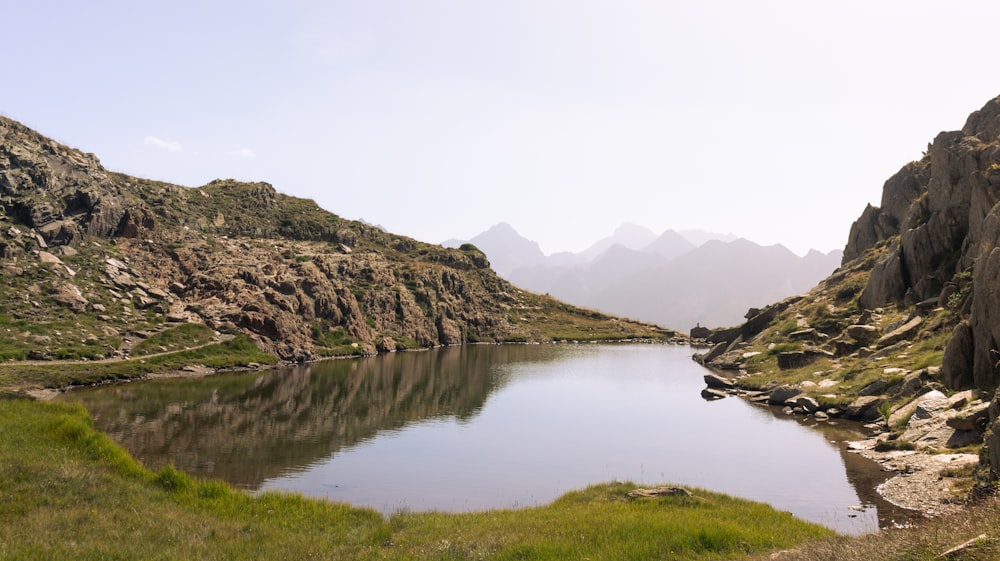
243 153
169 145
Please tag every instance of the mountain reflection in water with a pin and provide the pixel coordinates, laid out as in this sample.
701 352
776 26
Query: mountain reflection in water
466 428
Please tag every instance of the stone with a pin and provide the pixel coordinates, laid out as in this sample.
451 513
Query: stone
711 394
875 387
930 404
386 345
794 359
973 418
865 408
901 333
49 259
781 394
658 492
808 404
798 359
902 414
809 334
70 296
957 364
821 416
864 334
713 380
960 399
158 293
914 381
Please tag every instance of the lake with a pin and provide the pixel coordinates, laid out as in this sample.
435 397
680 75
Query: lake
491 426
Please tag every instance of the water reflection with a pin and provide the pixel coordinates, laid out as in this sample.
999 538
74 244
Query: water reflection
247 428
489 426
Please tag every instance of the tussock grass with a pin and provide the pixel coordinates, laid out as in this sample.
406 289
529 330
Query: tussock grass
70 493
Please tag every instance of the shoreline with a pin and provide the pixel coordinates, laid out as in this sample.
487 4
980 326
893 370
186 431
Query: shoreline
914 483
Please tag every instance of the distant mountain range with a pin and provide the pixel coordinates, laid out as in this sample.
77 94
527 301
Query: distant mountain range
676 279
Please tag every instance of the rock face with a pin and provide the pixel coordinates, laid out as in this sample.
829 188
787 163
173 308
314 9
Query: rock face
937 236
937 226
62 193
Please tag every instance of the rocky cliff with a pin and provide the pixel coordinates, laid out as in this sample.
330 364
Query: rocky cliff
939 226
94 261
914 307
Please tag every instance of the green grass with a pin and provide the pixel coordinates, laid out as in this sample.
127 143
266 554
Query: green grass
176 338
70 493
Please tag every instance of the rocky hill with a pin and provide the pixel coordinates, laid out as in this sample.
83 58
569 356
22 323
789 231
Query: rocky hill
912 314
93 262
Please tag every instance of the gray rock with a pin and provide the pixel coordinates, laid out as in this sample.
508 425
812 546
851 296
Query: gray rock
957 365
711 394
901 333
798 359
713 380
70 296
930 404
781 394
865 408
973 418
864 334
876 387
810 405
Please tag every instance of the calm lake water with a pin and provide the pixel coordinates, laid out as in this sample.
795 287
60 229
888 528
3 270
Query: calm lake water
470 428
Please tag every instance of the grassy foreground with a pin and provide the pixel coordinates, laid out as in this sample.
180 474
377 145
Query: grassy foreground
68 492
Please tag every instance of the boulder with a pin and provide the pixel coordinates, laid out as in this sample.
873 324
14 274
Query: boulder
957 365
808 404
902 414
711 394
797 359
713 380
864 334
930 404
960 399
809 334
70 296
48 259
972 418
901 333
865 408
914 381
781 394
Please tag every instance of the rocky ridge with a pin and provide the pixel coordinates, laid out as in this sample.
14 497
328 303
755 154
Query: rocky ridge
905 333
95 260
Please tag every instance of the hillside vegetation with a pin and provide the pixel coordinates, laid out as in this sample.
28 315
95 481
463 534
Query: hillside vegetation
96 263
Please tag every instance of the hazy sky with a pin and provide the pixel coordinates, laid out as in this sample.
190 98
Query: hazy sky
777 121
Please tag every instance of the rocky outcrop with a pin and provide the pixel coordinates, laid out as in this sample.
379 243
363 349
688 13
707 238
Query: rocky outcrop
62 193
938 219
130 254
